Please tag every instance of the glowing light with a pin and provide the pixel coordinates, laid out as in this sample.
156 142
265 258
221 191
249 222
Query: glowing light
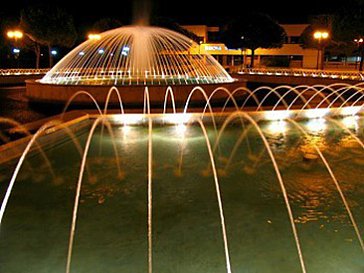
303 73
54 52
125 51
126 129
179 118
93 36
162 52
16 34
128 119
277 127
276 115
16 50
321 35
350 111
317 35
81 53
181 129
316 125
325 35
7 72
213 48
351 122
316 113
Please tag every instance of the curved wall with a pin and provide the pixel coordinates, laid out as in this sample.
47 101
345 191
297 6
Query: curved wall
130 95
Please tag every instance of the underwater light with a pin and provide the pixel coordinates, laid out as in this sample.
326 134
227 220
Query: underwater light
349 111
316 113
179 118
277 127
276 115
128 119
181 129
316 125
351 122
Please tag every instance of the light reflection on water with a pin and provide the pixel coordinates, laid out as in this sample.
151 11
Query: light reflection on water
111 234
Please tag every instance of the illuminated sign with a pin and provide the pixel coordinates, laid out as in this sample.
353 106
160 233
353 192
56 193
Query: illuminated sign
213 47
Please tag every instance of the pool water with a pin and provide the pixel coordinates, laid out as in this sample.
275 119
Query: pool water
111 232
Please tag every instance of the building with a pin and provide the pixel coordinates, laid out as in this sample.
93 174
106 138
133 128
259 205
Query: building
291 54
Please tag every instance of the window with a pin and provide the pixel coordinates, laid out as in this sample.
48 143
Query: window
294 39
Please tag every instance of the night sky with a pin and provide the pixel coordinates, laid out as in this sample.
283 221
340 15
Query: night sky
183 11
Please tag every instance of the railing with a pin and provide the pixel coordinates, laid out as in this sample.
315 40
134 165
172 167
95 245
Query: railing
330 74
23 71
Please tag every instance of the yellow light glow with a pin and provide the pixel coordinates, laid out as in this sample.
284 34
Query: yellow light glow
126 129
316 125
351 122
15 34
350 111
179 118
325 35
93 36
181 129
317 35
276 115
316 113
128 119
321 35
277 127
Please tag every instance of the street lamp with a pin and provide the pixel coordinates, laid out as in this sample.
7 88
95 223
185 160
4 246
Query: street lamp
242 53
199 48
15 35
320 36
359 43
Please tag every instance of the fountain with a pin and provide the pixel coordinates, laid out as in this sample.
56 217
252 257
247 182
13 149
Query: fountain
130 58
264 180
208 191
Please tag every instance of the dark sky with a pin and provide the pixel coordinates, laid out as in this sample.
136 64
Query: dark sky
184 11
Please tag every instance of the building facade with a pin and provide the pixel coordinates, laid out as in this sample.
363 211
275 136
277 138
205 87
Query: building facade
291 54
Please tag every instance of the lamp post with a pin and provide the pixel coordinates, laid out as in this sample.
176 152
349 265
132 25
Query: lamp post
242 53
199 48
320 36
359 43
15 35
18 34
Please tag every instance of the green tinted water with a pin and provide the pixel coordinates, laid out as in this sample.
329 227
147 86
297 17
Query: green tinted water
111 234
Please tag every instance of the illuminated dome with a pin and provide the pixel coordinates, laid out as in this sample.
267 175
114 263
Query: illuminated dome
137 55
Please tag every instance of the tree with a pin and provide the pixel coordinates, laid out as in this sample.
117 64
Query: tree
49 26
253 31
5 43
348 26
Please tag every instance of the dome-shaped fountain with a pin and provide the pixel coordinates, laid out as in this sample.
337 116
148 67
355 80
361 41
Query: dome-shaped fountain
135 55
131 57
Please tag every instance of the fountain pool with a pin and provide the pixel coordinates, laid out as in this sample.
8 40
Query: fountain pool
111 234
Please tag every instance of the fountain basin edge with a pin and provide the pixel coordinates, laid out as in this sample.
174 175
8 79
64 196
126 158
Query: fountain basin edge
131 95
